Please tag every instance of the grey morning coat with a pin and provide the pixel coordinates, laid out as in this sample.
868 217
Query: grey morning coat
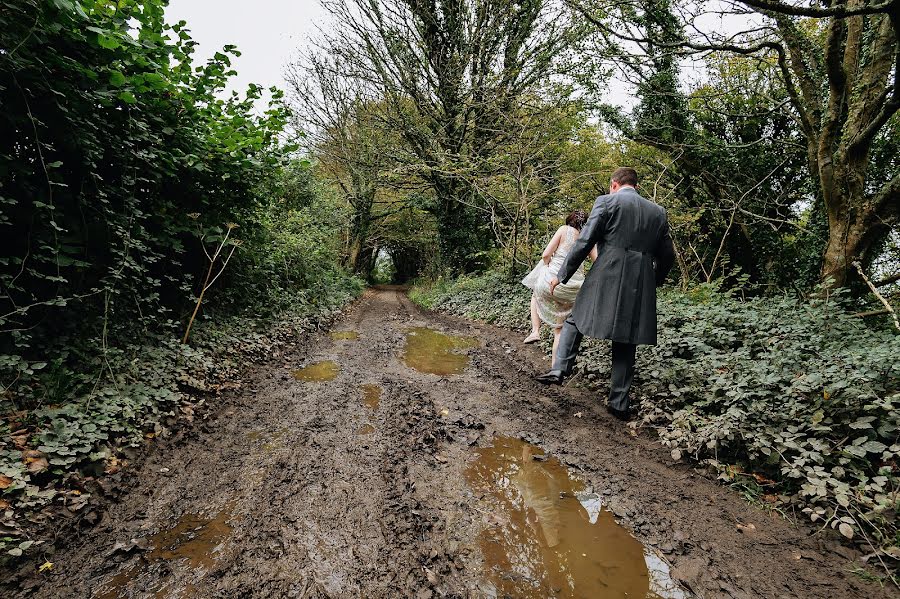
635 253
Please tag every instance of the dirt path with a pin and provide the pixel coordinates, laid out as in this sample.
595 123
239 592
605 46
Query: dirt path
297 488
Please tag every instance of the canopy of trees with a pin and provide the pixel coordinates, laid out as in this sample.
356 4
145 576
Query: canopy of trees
776 155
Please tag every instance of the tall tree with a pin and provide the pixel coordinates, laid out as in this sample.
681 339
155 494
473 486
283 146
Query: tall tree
839 67
448 70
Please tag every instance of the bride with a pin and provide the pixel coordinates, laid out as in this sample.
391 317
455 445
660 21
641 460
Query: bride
554 308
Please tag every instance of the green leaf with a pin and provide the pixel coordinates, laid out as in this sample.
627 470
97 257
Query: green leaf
108 42
116 78
874 446
127 97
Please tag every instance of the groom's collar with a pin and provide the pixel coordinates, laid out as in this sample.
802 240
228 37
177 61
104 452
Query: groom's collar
624 187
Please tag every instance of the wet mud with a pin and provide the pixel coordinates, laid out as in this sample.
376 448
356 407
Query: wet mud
420 460
318 372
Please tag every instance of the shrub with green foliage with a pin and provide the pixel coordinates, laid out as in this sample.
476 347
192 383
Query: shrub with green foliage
795 396
117 151
122 162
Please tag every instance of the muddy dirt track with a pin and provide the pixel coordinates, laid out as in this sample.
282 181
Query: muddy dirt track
386 481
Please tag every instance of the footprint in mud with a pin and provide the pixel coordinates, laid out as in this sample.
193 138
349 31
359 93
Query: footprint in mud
433 352
318 372
546 536
371 395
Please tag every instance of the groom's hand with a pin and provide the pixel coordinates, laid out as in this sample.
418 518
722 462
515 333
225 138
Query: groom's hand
553 283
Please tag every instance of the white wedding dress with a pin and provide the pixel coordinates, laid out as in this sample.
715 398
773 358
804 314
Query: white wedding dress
554 309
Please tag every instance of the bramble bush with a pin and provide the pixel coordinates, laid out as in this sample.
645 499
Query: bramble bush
794 397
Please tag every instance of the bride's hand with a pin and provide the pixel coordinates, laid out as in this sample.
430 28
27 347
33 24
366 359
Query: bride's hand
553 283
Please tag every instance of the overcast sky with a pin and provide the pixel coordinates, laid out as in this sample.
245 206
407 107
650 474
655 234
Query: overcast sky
267 32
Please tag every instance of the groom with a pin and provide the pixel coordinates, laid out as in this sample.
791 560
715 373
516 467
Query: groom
618 298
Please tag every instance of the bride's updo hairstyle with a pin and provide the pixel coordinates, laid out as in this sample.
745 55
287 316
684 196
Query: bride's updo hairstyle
576 219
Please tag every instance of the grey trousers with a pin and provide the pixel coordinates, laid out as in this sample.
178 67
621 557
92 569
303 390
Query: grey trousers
622 363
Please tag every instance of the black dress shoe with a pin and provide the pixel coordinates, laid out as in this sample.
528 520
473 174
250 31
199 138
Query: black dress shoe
549 378
623 415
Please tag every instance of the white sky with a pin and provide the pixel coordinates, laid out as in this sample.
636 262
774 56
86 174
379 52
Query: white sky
267 32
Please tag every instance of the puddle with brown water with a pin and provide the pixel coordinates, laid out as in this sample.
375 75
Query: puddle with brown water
366 429
371 395
434 352
344 335
545 536
318 372
195 542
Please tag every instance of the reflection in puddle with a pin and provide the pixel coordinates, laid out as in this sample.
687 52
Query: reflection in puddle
433 352
344 335
546 537
366 429
371 395
194 542
320 371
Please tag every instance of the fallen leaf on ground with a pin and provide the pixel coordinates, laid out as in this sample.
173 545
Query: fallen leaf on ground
676 454
37 466
4 504
5 482
763 480
745 528
578 415
113 465
45 567
35 461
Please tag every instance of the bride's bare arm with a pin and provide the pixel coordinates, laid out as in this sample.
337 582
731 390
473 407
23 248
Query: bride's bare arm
551 247
593 254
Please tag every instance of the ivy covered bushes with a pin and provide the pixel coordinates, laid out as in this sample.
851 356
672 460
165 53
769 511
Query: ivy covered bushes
123 163
793 399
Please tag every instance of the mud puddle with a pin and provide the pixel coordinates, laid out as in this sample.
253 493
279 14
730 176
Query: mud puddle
366 429
545 535
434 352
195 543
318 372
345 335
371 395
